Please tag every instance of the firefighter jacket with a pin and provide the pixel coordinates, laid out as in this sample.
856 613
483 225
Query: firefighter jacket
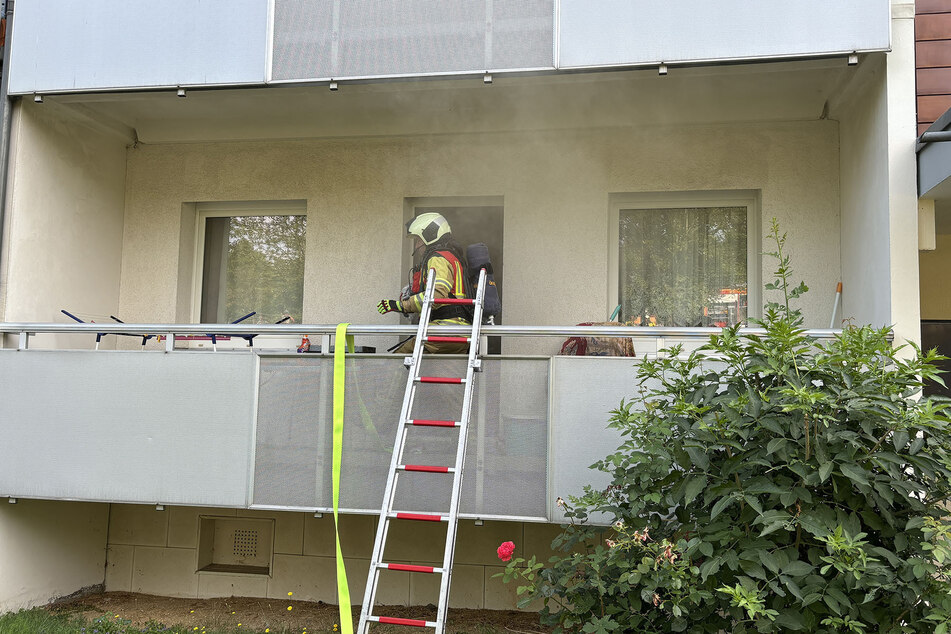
450 282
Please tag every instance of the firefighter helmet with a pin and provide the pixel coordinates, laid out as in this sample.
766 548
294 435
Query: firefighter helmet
428 227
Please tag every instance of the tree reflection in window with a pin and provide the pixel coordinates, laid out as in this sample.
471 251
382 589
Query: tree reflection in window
683 266
253 263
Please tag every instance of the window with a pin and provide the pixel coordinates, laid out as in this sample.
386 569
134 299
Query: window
685 259
252 260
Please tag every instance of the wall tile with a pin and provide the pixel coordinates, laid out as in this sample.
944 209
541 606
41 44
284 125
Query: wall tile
288 529
138 525
166 572
213 584
119 568
309 578
467 590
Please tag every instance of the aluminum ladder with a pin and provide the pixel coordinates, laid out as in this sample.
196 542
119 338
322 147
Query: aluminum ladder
387 513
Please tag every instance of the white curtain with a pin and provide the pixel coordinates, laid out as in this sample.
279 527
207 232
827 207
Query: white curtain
684 266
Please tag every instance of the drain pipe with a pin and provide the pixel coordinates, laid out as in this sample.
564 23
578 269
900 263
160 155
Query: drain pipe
938 136
6 127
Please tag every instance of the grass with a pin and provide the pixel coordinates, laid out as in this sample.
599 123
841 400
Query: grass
41 621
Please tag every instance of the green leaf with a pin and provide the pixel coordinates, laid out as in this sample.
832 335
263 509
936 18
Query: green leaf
709 567
825 469
916 445
899 440
772 527
915 522
721 505
854 473
838 594
833 604
792 586
754 504
790 619
753 569
698 457
769 560
695 485
814 524
775 445
797 568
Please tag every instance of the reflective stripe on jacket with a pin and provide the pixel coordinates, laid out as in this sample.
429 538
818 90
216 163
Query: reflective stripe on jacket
449 282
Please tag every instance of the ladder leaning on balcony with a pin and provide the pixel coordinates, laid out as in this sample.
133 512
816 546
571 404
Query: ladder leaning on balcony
387 513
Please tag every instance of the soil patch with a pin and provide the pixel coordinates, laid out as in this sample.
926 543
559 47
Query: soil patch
258 614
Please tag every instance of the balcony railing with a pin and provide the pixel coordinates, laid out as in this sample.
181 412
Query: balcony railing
197 428
659 336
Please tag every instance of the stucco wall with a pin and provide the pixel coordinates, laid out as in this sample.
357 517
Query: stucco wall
63 233
879 195
157 553
555 186
934 267
864 155
49 550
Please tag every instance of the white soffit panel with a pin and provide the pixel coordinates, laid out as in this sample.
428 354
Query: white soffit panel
68 46
624 32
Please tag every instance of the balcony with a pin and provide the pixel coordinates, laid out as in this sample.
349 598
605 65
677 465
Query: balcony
177 45
251 427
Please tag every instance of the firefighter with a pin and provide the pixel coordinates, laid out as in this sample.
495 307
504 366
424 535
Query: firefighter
433 248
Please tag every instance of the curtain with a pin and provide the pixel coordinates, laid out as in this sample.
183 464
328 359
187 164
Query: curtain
683 266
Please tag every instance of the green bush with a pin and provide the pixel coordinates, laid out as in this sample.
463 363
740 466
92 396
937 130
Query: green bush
767 482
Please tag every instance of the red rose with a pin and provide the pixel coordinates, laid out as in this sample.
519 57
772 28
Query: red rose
505 551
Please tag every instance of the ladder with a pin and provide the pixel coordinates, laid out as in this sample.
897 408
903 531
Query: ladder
387 513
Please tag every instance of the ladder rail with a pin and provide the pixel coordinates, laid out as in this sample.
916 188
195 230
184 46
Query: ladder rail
396 466
453 523
369 597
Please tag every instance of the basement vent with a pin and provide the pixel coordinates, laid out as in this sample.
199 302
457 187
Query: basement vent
245 543
235 545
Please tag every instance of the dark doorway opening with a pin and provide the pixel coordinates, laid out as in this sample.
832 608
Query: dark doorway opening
471 223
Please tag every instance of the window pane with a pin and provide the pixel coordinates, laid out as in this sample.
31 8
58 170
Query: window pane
685 267
253 263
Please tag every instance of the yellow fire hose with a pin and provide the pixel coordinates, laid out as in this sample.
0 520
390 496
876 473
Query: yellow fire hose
343 590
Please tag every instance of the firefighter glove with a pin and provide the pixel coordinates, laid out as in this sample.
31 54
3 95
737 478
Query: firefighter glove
388 306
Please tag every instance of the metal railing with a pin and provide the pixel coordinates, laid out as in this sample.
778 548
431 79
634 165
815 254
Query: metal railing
168 332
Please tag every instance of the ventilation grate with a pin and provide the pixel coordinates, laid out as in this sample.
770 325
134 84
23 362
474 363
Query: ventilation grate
245 543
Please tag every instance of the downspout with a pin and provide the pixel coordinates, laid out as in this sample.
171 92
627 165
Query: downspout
6 127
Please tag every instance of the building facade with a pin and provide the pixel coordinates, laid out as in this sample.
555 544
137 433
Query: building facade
176 163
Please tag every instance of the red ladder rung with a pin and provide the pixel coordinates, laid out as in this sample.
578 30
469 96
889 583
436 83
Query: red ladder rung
439 379
452 300
420 516
392 620
434 423
426 468
437 339
410 568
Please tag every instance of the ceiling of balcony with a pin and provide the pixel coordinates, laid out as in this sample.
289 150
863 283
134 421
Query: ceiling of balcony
778 91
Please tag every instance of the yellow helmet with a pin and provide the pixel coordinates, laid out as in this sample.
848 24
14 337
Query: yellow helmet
428 227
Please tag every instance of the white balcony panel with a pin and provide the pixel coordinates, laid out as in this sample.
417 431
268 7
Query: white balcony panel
66 46
382 38
584 392
597 33
130 426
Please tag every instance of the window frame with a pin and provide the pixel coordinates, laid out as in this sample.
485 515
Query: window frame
688 200
206 210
